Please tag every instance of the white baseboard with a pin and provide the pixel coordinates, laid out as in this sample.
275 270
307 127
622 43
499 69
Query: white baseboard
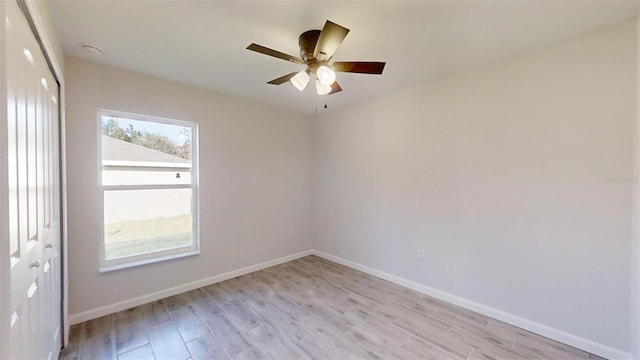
541 329
126 304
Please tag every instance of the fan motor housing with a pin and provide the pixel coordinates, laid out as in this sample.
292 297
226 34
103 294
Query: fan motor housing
307 42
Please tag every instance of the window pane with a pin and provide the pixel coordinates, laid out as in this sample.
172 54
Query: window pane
143 221
127 140
154 176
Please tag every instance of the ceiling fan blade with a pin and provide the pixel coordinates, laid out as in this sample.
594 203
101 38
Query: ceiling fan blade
265 50
361 67
335 87
330 38
282 79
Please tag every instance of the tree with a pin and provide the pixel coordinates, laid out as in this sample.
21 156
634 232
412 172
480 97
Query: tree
112 129
159 142
149 140
184 151
133 134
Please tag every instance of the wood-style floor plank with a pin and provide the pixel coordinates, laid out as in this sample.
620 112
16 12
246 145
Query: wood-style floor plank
243 318
252 353
167 343
189 325
99 347
143 352
382 347
308 308
153 314
99 326
232 339
206 347
436 348
130 330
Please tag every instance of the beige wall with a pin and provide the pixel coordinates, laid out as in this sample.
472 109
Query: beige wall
635 240
515 178
40 12
255 181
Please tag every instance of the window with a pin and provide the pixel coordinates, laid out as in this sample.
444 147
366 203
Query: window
149 189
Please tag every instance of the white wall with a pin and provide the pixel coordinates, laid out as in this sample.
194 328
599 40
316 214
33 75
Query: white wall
255 181
514 177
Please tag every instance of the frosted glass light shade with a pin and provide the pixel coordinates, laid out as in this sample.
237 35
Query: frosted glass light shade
326 75
300 80
321 88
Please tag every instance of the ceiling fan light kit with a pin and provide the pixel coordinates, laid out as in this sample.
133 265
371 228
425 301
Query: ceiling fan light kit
300 80
316 52
321 88
325 75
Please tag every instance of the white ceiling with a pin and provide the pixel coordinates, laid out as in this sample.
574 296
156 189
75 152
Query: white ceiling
203 42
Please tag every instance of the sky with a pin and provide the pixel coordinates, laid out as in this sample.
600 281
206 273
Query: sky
170 131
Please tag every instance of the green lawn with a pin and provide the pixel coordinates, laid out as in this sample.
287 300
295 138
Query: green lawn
142 236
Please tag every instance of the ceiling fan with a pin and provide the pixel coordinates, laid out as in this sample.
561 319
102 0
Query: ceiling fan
316 52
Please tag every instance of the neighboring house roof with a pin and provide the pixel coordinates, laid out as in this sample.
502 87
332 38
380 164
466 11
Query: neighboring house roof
118 150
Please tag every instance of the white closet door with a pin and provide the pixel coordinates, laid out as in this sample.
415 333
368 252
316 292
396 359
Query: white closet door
34 188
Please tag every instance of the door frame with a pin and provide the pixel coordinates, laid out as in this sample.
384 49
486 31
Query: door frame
38 17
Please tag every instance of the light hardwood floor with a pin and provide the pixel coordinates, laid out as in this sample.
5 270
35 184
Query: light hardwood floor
309 308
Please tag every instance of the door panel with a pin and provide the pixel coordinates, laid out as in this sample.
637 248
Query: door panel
34 194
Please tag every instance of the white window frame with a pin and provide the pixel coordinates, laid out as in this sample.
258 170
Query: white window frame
161 255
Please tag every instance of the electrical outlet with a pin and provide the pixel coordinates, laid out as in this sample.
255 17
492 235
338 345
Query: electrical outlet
421 254
292 233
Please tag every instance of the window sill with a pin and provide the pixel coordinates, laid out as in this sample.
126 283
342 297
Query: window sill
137 263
